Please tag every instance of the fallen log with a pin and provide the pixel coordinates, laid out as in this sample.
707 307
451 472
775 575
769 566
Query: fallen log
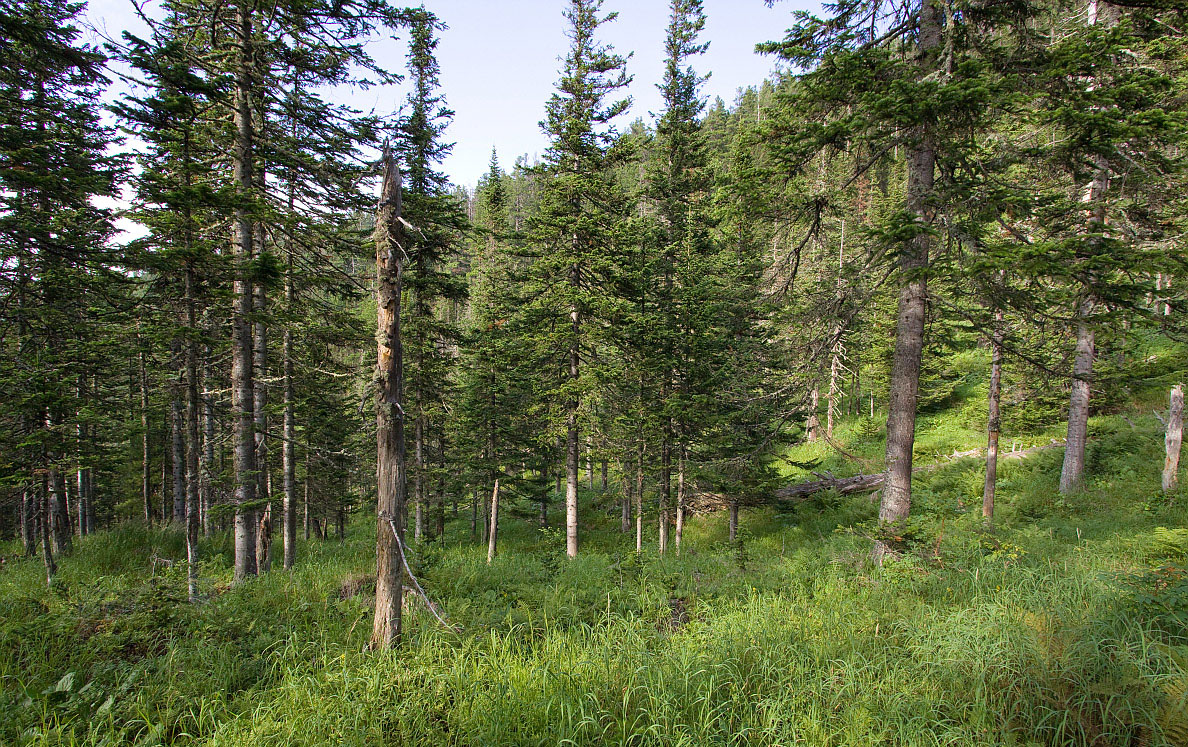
867 483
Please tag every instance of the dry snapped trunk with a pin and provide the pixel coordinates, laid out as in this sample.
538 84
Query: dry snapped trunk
242 354
813 424
493 531
1173 439
994 420
391 480
909 328
193 472
733 520
1073 469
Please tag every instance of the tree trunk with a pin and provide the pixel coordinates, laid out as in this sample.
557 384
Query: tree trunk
260 420
193 499
639 486
493 531
206 468
59 512
242 388
419 472
665 491
625 508
1072 471
993 422
813 424
29 520
1173 439
680 505
733 520
178 439
571 437
145 464
909 329
389 412
289 447
47 550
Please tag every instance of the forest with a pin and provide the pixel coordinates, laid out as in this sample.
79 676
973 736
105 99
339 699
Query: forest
847 412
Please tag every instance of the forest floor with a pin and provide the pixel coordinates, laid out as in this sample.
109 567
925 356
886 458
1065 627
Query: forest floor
1068 624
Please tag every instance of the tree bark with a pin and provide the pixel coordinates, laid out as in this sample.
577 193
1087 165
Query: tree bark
813 424
571 434
178 438
665 490
419 470
909 329
193 499
639 486
1072 471
145 464
289 447
993 421
47 550
242 354
1173 439
206 467
389 411
260 424
493 530
680 505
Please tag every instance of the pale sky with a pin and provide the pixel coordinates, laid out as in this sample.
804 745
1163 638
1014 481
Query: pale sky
500 59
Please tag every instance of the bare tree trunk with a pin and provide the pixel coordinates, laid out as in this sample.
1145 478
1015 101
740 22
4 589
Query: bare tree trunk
59 512
1072 471
242 383
177 435
493 530
419 473
206 467
389 412
665 490
813 424
260 418
145 464
571 436
680 506
639 486
193 500
993 421
289 447
29 520
733 520
909 328
625 508
1173 439
474 501
47 550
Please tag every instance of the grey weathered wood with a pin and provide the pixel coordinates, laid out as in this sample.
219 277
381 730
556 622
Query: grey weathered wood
1172 440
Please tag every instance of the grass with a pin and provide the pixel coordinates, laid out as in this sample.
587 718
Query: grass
1065 626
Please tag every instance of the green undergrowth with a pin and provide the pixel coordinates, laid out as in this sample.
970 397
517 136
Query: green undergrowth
1065 625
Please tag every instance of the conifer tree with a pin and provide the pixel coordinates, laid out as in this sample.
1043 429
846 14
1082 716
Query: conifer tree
578 232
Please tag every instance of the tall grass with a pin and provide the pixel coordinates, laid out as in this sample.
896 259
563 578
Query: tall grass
1064 626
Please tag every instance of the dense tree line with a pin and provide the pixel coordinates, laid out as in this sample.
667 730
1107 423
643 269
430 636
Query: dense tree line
638 323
